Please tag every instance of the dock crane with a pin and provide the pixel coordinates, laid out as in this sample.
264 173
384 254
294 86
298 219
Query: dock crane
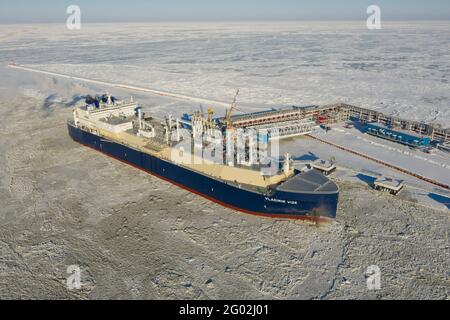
228 120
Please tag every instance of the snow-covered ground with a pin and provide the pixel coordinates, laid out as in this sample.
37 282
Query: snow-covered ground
435 166
403 69
357 169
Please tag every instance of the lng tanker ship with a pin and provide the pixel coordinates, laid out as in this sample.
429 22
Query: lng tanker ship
235 175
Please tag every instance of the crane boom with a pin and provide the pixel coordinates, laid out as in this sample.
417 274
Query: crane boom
228 120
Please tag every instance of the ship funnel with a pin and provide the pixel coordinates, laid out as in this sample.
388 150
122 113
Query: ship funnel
90 100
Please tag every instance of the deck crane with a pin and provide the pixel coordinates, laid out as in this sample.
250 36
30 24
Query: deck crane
209 114
228 120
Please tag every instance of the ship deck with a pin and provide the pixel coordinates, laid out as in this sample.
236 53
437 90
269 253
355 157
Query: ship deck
125 129
247 177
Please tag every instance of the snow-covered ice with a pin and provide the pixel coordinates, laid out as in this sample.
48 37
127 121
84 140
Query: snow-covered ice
402 69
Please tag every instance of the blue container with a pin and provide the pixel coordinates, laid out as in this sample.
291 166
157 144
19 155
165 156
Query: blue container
407 138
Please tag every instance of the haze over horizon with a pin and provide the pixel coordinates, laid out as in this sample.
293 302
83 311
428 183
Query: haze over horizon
50 11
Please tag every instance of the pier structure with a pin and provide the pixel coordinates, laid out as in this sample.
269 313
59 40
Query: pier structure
432 130
284 118
393 186
327 167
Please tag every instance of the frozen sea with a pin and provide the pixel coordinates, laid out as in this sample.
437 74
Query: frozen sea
137 237
403 69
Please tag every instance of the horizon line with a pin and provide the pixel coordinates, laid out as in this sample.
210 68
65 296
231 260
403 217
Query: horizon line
226 21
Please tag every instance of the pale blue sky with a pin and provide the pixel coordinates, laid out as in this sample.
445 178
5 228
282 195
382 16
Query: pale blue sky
30 11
